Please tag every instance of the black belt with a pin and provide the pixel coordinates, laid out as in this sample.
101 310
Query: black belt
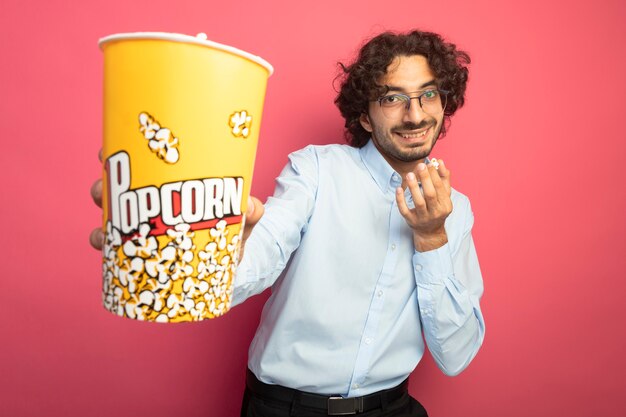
333 405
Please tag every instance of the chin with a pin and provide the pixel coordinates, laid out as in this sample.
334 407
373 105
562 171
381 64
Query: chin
413 157
415 154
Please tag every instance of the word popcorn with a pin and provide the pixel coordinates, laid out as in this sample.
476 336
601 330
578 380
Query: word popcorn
161 141
240 123
199 200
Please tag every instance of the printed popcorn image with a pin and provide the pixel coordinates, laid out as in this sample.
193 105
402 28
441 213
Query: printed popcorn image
154 278
161 141
240 123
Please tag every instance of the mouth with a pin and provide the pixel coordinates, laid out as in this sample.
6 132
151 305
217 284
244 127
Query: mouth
413 136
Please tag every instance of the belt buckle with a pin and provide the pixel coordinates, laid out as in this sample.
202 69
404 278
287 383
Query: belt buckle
339 406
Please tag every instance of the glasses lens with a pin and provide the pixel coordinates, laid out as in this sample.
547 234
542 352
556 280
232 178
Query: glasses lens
433 102
393 105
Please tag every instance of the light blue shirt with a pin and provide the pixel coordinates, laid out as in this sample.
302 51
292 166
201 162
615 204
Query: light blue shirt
347 313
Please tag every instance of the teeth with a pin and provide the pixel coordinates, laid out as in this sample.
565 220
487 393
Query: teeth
413 135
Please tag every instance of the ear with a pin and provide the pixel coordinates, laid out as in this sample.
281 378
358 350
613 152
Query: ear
365 122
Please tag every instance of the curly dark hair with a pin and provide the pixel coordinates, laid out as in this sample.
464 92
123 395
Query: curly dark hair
359 80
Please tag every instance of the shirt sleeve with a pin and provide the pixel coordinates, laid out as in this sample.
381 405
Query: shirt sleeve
278 232
449 288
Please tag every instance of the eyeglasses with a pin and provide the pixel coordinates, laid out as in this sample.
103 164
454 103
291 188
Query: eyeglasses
432 102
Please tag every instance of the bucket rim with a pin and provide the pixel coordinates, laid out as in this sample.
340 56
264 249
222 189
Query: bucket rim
199 39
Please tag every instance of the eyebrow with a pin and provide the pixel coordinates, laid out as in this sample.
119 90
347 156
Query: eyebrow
393 88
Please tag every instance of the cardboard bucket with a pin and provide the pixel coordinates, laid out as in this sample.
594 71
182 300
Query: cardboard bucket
181 123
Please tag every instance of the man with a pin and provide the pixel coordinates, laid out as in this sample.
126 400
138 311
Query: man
365 247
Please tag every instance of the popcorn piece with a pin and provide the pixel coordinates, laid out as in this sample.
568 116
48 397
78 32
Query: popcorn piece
161 141
162 318
240 123
130 272
141 245
218 233
159 266
149 126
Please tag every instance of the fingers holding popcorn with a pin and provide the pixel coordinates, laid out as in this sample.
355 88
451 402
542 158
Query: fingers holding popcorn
430 192
443 172
433 189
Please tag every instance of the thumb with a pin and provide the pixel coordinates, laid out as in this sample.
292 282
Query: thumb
253 215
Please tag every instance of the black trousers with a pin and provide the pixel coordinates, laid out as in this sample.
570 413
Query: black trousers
260 404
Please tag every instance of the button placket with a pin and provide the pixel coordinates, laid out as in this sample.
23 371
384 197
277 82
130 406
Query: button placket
367 346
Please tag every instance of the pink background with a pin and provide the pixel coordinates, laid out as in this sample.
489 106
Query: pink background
538 148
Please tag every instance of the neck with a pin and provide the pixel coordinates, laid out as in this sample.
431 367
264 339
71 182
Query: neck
402 167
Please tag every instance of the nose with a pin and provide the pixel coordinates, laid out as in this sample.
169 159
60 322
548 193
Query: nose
414 113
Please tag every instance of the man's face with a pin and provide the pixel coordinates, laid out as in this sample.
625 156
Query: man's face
410 135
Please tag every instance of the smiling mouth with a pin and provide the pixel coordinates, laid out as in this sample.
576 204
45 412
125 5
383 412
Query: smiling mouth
413 135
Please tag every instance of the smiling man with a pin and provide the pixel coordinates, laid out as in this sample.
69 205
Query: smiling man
367 248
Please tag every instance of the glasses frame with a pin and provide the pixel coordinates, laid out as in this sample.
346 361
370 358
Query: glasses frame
407 106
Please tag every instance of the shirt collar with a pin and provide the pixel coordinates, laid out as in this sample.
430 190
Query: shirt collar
384 175
379 168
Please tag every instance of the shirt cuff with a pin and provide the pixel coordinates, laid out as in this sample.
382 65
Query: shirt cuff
240 280
433 266
244 271
241 274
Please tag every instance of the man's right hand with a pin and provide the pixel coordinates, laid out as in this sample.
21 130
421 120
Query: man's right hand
252 216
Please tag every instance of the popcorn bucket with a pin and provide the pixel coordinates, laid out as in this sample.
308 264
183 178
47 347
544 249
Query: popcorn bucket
181 124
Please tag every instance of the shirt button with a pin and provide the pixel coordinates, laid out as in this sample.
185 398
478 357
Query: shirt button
393 246
355 386
380 293
395 177
418 267
368 341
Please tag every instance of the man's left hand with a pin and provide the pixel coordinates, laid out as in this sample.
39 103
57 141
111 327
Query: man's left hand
431 208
